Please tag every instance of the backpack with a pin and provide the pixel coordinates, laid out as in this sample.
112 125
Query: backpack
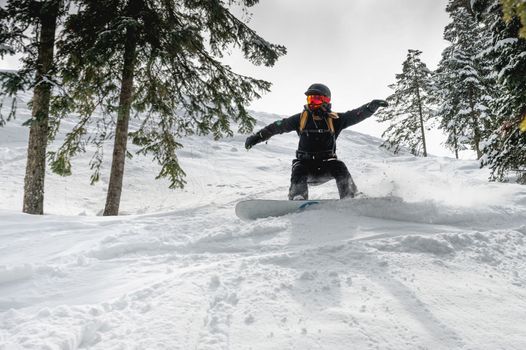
305 117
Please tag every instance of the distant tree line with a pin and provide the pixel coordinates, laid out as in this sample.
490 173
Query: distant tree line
477 95
103 62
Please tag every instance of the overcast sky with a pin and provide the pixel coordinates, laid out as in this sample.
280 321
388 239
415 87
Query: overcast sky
353 46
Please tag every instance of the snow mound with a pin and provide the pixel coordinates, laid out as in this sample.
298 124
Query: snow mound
432 256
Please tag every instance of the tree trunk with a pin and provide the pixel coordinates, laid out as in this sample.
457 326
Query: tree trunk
421 115
38 132
113 196
455 138
475 122
420 112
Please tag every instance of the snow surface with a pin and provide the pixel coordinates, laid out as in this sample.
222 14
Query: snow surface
433 258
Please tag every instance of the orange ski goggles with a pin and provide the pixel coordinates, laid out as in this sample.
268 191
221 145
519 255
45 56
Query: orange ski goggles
318 99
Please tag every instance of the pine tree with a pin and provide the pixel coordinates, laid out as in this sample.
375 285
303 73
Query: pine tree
446 97
462 88
29 28
409 107
505 153
159 61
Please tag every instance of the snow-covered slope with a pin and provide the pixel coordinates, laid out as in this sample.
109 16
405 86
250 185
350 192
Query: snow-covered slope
433 258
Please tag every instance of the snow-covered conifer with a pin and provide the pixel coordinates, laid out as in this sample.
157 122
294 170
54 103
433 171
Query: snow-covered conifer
409 107
463 87
505 152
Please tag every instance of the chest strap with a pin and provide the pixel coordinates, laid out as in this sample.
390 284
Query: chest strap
305 117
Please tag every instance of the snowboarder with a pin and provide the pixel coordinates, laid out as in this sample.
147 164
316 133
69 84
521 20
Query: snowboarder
318 128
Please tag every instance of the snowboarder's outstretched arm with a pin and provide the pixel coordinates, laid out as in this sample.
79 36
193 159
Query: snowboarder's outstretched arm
278 127
361 113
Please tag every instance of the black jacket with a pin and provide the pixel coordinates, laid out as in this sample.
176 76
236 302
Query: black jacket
316 140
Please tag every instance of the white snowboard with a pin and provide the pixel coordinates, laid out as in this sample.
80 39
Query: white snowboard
262 208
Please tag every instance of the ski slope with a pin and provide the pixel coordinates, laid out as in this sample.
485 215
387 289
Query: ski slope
433 258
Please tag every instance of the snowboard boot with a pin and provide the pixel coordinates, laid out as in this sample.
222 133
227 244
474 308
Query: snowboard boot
346 187
298 191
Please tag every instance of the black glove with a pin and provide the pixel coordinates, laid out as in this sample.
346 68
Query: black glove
375 104
253 140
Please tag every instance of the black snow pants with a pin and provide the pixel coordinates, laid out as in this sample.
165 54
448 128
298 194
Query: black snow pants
319 171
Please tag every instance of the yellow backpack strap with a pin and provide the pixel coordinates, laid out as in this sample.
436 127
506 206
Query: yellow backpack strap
303 119
331 125
305 116
330 122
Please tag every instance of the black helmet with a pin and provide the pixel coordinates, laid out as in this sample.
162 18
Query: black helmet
318 89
